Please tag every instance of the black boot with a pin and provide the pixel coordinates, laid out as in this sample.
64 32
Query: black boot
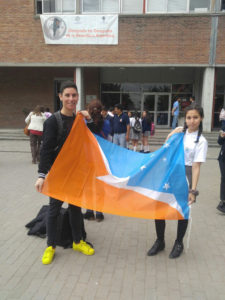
89 215
99 217
221 207
157 247
177 249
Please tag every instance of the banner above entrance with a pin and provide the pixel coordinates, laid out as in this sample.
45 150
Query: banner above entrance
80 29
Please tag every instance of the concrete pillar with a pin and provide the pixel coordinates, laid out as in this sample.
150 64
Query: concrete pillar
198 85
79 83
207 97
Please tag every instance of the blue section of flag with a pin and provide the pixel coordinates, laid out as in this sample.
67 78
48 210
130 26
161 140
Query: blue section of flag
161 171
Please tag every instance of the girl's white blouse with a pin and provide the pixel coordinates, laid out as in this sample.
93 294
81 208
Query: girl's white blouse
194 152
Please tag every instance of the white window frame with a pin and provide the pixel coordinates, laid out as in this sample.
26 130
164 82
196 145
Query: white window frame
100 12
59 12
176 12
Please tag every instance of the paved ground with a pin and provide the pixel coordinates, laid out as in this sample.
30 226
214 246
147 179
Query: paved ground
120 268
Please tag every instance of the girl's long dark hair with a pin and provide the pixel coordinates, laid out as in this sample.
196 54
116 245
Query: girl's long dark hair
148 117
94 109
199 109
37 111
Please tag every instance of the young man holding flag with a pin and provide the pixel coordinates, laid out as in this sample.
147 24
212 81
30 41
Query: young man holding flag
52 145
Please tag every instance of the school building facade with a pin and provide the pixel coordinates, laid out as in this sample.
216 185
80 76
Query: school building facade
165 49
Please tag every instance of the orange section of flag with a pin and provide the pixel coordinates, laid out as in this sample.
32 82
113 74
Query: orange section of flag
73 179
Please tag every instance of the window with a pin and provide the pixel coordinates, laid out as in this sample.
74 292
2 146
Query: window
223 5
128 94
39 7
112 6
166 6
132 6
56 6
177 6
199 5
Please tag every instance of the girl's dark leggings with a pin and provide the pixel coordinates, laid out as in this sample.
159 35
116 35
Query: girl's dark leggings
182 225
160 226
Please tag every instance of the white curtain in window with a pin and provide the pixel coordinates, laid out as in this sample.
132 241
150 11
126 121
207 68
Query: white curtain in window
91 6
198 5
156 5
58 5
48 6
68 5
132 6
110 6
177 5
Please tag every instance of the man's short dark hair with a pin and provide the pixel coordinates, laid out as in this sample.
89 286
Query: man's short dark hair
119 106
67 84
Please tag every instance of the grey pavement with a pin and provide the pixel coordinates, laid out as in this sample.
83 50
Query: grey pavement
120 268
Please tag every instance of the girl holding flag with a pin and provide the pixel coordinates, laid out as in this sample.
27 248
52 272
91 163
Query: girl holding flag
195 150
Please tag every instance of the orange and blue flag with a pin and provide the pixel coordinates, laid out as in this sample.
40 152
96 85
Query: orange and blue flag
93 173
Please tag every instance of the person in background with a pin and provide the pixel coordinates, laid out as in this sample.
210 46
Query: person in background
175 112
135 130
195 150
221 159
101 127
111 111
146 131
47 113
121 126
108 116
36 120
192 99
222 118
130 116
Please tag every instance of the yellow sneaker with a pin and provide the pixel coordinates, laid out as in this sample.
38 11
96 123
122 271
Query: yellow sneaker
84 248
48 255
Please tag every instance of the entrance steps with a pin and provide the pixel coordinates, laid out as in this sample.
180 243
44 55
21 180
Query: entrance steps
156 140
161 134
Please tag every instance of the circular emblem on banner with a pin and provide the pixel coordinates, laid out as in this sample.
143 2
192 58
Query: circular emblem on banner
54 28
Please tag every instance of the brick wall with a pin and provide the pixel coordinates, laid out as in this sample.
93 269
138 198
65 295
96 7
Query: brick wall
24 88
91 78
220 49
142 39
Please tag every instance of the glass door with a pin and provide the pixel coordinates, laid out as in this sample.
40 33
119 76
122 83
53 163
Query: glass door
149 104
163 110
159 106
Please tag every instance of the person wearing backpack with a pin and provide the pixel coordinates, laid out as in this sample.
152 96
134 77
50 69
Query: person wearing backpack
50 148
136 129
146 130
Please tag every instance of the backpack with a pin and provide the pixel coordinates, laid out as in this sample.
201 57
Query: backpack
137 126
64 233
152 129
59 124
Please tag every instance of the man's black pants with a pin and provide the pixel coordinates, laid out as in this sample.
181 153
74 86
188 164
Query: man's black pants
75 217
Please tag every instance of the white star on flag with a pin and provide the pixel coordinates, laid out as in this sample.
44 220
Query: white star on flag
166 186
142 168
166 145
